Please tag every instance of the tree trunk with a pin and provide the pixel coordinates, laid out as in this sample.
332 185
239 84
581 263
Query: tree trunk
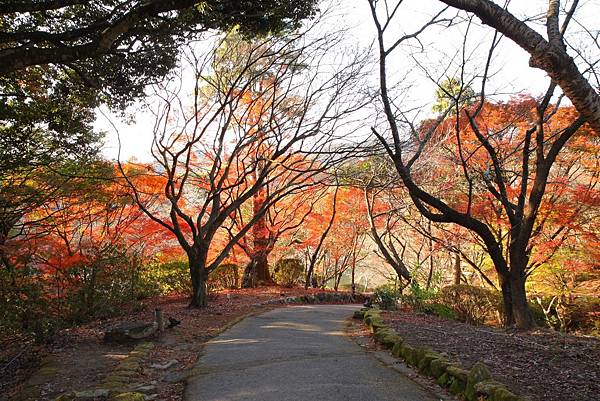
507 304
257 271
457 269
430 273
522 314
310 279
512 284
523 318
199 277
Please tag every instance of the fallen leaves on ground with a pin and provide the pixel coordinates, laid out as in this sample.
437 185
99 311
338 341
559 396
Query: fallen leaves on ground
541 364
85 359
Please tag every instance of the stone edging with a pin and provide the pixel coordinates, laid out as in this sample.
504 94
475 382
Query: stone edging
474 385
117 384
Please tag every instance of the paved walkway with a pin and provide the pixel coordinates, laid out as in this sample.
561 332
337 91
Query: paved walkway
295 354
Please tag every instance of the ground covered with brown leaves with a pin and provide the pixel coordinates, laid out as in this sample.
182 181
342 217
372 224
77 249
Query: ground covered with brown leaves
79 359
540 364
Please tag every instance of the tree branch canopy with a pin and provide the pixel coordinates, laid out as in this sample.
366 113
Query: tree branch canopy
548 55
77 30
30 6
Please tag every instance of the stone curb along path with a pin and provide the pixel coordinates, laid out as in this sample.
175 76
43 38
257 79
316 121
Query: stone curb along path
117 384
474 385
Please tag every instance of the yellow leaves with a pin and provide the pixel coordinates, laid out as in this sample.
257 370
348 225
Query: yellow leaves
203 7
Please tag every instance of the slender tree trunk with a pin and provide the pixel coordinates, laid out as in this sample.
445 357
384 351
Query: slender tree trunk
457 268
353 274
315 256
336 283
430 274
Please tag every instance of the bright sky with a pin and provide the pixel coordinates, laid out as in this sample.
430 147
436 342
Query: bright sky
441 57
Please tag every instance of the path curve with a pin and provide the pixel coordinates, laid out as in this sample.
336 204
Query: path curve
296 353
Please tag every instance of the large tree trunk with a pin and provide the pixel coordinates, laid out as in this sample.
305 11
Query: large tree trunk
507 305
514 297
257 271
518 262
199 277
521 312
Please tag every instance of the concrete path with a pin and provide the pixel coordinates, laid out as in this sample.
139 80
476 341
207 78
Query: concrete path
295 354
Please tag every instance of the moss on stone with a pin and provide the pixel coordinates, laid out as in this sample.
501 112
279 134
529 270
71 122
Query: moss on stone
124 372
457 378
425 363
457 386
119 378
382 332
479 372
443 380
502 394
486 388
113 384
397 349
129 397
144 346
390 340
128 365
438 366
420 353
409 354
457 372
66 397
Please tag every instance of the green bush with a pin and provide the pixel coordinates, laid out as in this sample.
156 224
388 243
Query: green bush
419 298
25 308
288 272
386 296
165 278
440 310
471 304
224 276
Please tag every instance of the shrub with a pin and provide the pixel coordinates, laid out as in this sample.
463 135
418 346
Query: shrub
584 314
564 314
225 276
36 300
386 296
471 304
440 310
288 271
419 298
165 278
